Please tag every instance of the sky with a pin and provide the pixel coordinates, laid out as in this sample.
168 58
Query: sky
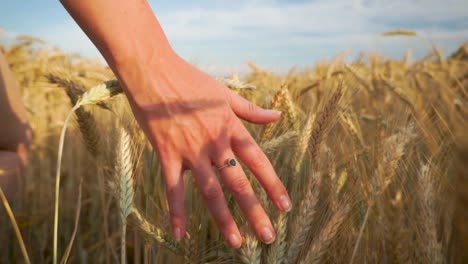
221 36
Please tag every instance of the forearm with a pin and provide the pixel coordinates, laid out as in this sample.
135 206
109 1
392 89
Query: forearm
15 132
126 32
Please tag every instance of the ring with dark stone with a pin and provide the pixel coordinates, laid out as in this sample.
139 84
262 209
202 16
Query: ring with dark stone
229 163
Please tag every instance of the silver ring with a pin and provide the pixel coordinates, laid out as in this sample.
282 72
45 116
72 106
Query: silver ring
229 163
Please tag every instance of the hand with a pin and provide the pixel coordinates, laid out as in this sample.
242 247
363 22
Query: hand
192 121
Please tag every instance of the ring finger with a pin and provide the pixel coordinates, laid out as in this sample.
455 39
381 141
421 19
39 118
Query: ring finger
236 181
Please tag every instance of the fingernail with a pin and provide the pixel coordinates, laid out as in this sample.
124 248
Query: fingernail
177 234
267 235
234 241
273 111
285 203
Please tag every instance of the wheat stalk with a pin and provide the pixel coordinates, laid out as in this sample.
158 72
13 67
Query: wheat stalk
15 226
95 95
75 229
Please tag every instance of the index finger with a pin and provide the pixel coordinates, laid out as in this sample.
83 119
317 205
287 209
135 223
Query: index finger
252 155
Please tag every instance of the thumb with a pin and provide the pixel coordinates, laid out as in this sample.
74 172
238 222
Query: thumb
249 111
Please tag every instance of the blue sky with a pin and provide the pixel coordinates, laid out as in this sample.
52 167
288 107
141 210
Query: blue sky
220 36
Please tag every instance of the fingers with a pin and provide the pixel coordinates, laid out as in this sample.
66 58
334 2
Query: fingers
236 181
209 186
250 153
248 111
173 176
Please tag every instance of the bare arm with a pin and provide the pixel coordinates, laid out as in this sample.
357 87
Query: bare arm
190 118
15 132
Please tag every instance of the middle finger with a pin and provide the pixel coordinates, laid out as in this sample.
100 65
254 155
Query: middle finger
209 186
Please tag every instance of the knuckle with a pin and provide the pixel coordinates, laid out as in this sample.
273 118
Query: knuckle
257 162
175 214
172 194
239 186
252 107
212 193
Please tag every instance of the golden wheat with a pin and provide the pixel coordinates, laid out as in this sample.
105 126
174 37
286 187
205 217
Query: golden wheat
377 187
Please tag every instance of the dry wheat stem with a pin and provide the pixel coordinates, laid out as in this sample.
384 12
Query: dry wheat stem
75 228
95 95
57 180
361 232
15 226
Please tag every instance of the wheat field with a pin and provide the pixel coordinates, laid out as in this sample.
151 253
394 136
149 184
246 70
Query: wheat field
372 153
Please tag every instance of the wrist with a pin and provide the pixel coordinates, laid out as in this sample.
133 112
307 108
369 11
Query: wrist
143 72
128 35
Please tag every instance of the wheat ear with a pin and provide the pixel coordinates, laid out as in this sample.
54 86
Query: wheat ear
394 150
323 122
250 252
302 144
364 81
291 111
100 93
156 233
95 95
275 252
274 144
322 242
431 247
278 100
234 82
124 171
86 122
302 222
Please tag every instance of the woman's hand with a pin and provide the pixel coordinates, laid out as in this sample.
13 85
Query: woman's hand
192 121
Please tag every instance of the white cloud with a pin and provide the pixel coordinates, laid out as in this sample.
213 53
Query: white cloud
278 26
274 33
321 16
